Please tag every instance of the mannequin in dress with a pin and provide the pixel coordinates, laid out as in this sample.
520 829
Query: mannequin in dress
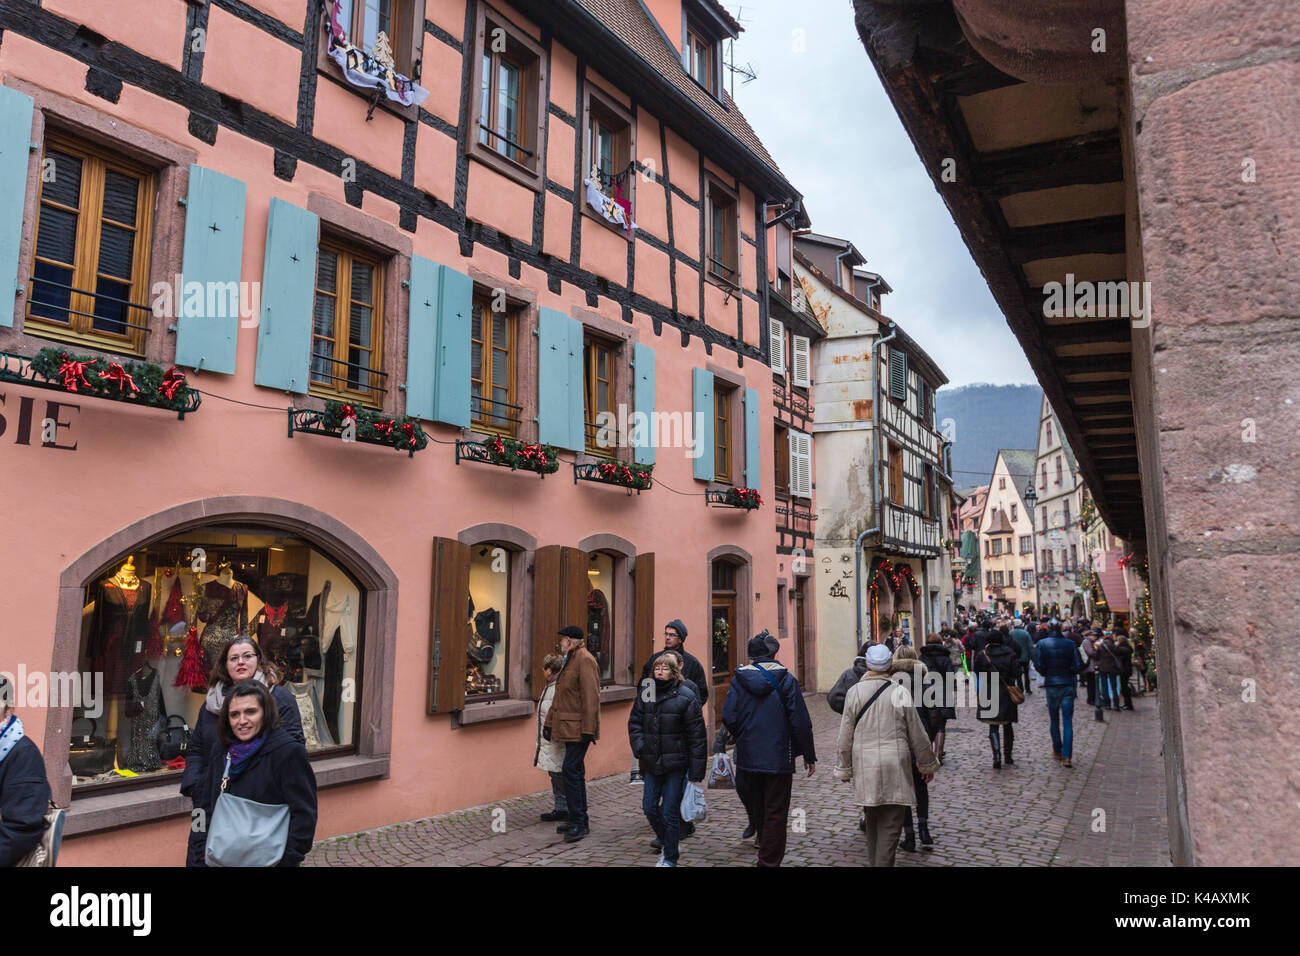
223 607
126 578
119 631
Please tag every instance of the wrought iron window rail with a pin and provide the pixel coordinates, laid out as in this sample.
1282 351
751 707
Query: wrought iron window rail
723 499
492 418
344 378
730 273
590 471
785 397
311 422
59 307
18 369
505 139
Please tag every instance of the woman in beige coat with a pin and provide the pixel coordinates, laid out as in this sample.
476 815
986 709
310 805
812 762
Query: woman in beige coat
549 755
876 754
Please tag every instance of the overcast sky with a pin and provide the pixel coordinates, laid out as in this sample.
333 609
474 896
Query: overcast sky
827 122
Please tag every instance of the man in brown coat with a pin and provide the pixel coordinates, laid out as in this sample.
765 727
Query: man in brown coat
574 720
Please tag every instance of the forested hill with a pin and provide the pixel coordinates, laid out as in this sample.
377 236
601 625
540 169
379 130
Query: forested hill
984 418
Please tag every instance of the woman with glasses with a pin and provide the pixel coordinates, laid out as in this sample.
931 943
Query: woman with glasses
240 660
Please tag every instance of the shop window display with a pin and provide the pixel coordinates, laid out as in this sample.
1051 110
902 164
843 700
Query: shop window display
600 613
154 625
488 622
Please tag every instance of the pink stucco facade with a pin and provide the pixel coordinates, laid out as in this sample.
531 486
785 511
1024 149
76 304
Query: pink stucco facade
374 512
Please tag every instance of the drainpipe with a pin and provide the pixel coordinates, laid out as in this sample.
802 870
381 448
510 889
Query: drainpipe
875 468
839 272
874 284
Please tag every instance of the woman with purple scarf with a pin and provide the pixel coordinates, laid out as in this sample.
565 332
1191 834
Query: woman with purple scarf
266 764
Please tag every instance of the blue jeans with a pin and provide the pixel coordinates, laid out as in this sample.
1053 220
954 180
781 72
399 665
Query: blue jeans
561 805
575 784
662 803
1060 704
1108 690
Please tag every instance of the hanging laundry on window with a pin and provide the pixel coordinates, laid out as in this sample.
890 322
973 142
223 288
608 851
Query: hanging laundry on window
373 69
616 210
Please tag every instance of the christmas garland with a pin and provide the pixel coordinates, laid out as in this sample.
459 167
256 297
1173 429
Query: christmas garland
881 573
140 383
401 433
518 455
747 498
903 574
618 473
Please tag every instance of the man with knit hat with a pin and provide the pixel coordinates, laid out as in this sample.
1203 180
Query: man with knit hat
765 712
674 640
574 720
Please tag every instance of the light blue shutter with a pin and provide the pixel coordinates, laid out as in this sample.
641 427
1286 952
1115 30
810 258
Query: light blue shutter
288 295
15 154
644 404
214 248
451 397
559 380
702 401
753 473
422 338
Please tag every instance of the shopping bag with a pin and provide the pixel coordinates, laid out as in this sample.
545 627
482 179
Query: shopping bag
693 808
722 775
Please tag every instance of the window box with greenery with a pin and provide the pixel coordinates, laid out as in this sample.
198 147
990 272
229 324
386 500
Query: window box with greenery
375 47
747 499
341 420
511 453
632 477
136 383
508 116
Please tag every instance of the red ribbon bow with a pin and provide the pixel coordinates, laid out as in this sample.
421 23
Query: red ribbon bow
118 374
384 426
409 430
172 381
349 415
73 372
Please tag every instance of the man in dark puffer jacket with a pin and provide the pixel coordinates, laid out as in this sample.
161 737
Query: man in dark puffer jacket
24 791
835 696
668 738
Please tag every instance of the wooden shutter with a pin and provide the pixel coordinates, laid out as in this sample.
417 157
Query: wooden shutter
560 586
451 396
288 298
448 626
897 492
644 404
777 330
422 337
643 628
800 464
897 375
15 158
801 360
214 249
702 402
784 459
559 380
753 462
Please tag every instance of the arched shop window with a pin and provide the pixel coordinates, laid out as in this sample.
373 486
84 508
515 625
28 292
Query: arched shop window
488 660
601 620
723 631
153 625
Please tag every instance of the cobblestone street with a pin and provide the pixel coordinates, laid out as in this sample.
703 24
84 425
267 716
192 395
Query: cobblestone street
1035 813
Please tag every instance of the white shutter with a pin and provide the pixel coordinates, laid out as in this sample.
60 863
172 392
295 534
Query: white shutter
777 330
799 374
800 465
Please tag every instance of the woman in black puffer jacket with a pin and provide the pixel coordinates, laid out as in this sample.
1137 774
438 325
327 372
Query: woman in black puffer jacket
666 730
1000 663
938 661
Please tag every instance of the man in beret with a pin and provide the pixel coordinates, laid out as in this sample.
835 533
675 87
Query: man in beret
574 720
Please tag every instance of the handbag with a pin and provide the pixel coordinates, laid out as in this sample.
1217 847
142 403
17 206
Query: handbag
1016 695
245 832
46 852
694 809
172 742
89 754
722 775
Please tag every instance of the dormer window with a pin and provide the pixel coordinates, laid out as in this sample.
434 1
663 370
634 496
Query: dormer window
702 58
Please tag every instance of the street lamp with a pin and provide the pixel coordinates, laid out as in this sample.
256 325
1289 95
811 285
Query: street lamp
1031 499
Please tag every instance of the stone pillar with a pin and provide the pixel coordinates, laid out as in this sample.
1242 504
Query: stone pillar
1215 96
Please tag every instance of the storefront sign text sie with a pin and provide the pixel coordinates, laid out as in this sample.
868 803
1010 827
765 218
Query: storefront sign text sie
18 421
